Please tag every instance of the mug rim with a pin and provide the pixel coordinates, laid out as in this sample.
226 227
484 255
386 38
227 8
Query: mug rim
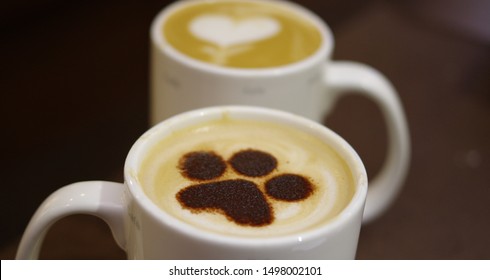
319 56
180 121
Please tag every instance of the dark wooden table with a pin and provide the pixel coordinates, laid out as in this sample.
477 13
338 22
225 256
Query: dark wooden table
74 90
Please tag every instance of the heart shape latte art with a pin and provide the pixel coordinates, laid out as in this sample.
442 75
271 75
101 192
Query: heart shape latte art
225 31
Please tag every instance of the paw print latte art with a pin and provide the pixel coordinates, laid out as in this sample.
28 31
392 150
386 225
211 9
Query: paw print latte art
240 200
247 178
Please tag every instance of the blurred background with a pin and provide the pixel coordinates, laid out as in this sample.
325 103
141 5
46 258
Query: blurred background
74 97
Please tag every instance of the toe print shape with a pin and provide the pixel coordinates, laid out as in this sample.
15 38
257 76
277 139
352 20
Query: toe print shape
241 201
202 165
289 187
253 163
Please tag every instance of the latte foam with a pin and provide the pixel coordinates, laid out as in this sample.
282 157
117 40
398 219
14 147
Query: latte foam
294 183
241 34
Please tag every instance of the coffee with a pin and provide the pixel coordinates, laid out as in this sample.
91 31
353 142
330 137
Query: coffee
241 34
246 178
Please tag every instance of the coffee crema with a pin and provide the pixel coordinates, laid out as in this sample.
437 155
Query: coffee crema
241 34
246 178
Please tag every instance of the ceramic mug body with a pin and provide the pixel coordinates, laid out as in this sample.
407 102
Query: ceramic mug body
180 83
145 231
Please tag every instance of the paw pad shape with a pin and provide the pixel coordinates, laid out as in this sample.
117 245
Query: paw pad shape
240 200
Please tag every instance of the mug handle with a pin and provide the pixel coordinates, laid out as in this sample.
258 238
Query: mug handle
99 198
343 77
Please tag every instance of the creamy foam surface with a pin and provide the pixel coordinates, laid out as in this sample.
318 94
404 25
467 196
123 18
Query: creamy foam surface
296 152
242 34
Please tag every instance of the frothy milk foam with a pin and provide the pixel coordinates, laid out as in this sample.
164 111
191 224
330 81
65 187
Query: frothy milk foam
241 34
296 153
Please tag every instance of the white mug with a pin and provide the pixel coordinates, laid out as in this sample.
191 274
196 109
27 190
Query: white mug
145 231
309 87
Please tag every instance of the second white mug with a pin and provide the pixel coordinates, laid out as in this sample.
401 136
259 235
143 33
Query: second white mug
227 52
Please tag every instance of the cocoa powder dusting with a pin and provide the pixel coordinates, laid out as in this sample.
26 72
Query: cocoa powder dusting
240 200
